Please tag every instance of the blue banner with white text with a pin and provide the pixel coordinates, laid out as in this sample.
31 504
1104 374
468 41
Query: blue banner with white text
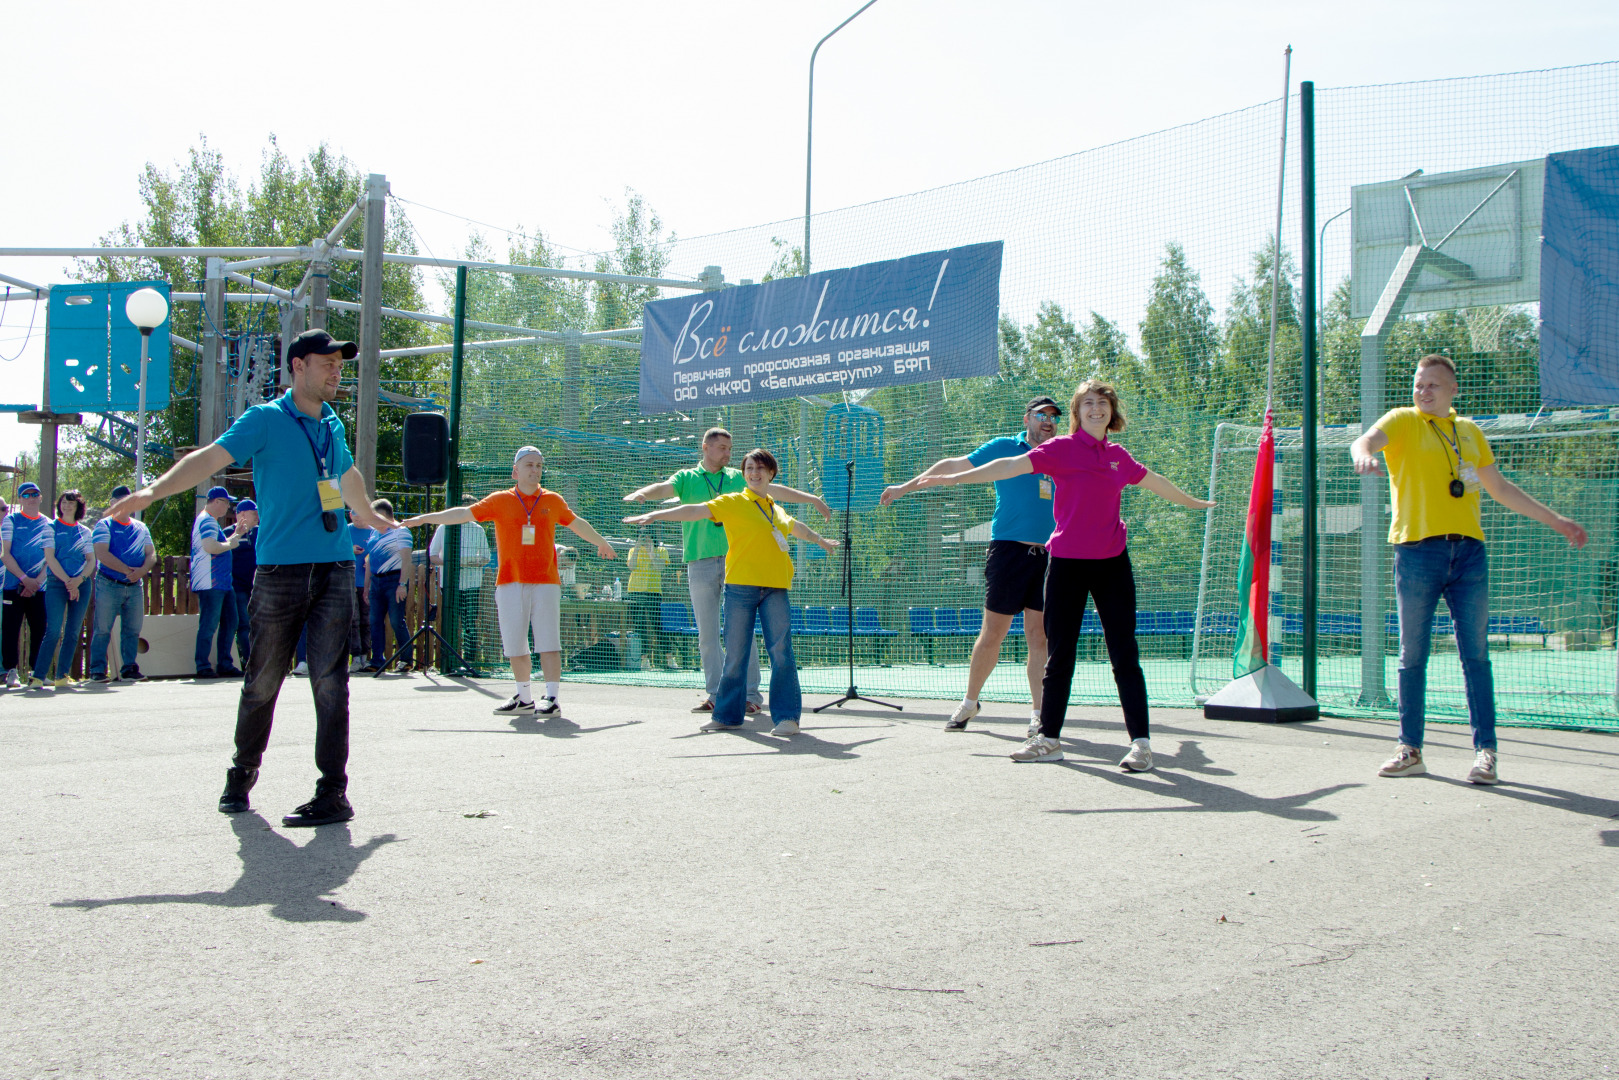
918 319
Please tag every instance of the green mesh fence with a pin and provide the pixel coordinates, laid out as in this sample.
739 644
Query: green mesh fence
1147 263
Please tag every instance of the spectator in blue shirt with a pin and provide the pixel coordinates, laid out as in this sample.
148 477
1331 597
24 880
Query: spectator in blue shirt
243 562
25 537
390 556
212 583
303 475
67 593
1015 564
124 550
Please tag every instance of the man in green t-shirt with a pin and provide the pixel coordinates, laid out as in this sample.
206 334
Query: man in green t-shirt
705 549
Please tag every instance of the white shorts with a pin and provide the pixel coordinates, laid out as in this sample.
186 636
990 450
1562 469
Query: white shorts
520 606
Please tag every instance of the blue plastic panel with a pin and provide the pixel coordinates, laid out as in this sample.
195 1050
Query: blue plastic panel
95 351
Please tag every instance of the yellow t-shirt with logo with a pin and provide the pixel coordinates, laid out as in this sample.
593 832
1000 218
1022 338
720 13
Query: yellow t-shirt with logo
754 557
1424 455
646 568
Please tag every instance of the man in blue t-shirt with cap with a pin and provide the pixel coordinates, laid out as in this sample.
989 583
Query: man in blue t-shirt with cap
1015 564
244 561
25 534
123 547
303 476
212 583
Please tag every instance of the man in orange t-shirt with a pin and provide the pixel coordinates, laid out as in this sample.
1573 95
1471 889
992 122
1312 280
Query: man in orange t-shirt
528 592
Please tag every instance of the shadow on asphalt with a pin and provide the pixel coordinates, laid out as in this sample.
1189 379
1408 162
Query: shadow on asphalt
1610 838
552 727
289 879
1551 798
792 746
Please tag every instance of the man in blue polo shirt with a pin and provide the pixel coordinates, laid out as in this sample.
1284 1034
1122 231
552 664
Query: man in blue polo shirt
125 551
244 562
390 556
303 475
1015 564
25 534
213 585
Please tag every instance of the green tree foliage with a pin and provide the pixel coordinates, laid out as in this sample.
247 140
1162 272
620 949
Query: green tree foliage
1180 341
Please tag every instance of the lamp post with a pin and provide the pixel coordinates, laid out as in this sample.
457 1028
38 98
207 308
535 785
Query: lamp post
147 309
809 136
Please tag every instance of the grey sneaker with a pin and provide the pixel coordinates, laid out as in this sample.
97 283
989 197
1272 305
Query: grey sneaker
1139 759
1038 748
786 727
1483 771
12 681
1407 761
516 707
715 725
958 719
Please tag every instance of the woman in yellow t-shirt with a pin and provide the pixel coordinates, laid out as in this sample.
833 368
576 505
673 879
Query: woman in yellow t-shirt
758 572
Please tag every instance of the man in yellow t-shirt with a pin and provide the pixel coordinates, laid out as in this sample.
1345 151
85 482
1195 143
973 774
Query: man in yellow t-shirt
1438 463
758 572
645 590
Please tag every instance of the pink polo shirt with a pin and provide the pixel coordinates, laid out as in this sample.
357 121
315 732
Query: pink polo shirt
1089 477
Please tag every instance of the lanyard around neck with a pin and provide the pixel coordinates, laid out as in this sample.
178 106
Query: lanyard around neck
770 518
322 467
528 510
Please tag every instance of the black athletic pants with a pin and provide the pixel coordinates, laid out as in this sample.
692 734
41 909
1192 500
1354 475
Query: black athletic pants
20 608
1112 584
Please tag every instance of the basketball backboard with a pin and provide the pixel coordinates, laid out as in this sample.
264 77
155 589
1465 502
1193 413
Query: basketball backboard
1487 218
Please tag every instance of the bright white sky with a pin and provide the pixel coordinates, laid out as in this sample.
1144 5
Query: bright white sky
540 114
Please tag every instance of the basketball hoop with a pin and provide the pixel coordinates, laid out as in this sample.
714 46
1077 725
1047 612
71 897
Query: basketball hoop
1484 327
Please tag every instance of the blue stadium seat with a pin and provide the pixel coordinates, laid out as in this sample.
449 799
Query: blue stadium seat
1017 624
677 619
972 621
946 621
921 621
867 624
840 621
817 621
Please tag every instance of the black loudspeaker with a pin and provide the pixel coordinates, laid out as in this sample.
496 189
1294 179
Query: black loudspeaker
426 450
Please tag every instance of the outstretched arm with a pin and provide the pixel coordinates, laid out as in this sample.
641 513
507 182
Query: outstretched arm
188 472
944 466
455 515
1001 469
688 512
804 532
1516 499
652 493
783 493
582 529
359 503
1158 485
1364 452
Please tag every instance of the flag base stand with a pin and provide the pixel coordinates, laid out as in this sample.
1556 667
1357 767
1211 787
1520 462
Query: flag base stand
1265 696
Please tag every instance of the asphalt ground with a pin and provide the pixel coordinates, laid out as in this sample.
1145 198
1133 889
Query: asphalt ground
612 894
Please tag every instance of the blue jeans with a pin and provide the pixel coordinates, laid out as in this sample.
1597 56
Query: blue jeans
63 619
244 644
216 618
775 619
121 601
288 600
1458 570
384 587
705 579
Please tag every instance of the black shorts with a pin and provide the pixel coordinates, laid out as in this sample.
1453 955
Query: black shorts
1014 577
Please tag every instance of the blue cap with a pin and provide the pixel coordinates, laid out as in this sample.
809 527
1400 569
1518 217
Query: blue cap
217 493
246 504
29 488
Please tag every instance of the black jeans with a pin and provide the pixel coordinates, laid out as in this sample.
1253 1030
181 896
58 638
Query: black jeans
288 600
1112 584
17 608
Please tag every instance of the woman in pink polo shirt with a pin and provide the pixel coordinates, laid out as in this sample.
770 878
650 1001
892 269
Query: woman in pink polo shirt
1087 557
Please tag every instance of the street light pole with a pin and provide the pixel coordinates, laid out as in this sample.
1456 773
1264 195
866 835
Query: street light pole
147 309
809 137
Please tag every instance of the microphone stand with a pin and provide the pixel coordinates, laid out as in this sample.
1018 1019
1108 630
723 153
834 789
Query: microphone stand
851 694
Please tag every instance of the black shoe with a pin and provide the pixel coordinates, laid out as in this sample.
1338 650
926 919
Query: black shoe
238 782
546 706
228 673
326 808
205 673
369 669
102 679
131 674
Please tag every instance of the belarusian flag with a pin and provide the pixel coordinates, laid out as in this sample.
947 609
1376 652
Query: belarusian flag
1253 573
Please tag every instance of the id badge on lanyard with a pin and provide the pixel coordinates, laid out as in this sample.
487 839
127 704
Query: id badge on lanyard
1046 488
528 533
781 541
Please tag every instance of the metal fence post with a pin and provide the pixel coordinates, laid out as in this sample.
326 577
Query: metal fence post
370 373
452 490
1307 333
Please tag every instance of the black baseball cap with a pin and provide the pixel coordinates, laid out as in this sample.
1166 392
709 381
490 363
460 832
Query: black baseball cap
1041 402
314 342
119 492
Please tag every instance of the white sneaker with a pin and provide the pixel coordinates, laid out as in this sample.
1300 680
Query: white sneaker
958 719
516 707
715 725
1483 771
1039 748
786 727
1407 761
547 706
1034 723
12 681
1139 759
301 668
